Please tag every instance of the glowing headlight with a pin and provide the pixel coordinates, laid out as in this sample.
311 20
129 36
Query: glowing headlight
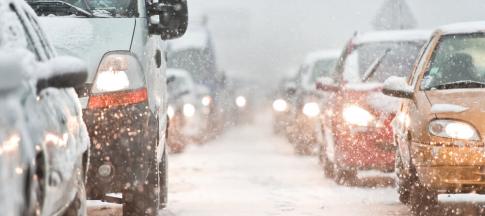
206 101
280 105
241 101
356 115
453 129
170 111
311 109
189 110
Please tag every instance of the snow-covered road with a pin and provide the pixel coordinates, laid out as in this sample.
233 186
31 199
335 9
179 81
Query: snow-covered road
251 172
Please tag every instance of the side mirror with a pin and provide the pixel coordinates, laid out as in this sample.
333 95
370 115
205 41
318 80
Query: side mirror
327 84
62 72
398 87
168 18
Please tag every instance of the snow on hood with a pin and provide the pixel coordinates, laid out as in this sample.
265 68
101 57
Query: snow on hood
447 108
89 38
385 36
383 102
463 28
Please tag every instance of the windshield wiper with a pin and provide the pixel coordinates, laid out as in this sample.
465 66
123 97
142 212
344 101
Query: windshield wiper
459 84
58 8
373 67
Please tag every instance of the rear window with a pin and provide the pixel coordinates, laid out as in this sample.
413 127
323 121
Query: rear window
398 62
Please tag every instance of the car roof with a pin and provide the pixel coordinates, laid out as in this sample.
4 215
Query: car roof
389 36
462 28
313 57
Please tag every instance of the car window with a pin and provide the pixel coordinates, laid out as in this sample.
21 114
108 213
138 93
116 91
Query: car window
457 59
322 68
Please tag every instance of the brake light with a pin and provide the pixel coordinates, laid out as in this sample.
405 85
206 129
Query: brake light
115 99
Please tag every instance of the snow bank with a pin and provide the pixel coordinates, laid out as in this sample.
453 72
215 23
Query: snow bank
384 36
447 108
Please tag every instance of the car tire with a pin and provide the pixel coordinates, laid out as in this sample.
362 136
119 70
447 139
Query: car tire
404 182
143 200
78 206
164 180
422 199
345 176
325 163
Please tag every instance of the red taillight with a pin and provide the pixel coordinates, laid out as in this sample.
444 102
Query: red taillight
117 99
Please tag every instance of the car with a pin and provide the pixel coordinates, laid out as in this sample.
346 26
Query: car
304 120
44 143
356 129
284 97
439 129
124 99
186 110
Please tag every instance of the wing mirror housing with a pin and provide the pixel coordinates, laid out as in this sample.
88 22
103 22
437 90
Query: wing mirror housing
168 18
62 72
327 84
398 87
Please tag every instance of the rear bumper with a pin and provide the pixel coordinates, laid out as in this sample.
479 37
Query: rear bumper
450 169
365 148
125 139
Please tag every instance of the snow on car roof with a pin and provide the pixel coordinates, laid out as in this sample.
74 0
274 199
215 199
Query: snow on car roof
384 36
323 54
463 28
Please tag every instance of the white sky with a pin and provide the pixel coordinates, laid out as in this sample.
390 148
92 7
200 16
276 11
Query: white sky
265 39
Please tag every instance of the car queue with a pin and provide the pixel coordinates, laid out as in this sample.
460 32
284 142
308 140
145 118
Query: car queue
408 102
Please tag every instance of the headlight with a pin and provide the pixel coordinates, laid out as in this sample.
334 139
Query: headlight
206 101
280 105
189 110
241 101
170 111
358 116
311 109
118 72
453 129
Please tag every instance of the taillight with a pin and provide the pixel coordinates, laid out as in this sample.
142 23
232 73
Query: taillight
119 81
117 99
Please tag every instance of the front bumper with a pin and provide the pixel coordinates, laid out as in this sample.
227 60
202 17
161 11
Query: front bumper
450 169
125 139
365 148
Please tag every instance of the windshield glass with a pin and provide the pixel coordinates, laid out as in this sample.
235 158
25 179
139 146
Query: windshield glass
398 61
323 68
458 59
98 8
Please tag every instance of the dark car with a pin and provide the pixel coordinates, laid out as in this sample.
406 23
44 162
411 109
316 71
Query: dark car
124 99
44 141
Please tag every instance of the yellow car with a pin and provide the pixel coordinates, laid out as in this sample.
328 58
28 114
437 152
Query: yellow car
440 128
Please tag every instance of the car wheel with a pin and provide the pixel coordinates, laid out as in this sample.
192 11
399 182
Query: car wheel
345 176
422 199
326 164
78 206
404 181
164 180
143 200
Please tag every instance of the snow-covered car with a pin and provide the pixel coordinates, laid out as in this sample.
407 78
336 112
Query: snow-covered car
357 118
188 115
44 142
439 129
124 99
303 125
195 53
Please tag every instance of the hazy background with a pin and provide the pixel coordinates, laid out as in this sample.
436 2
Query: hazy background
263 40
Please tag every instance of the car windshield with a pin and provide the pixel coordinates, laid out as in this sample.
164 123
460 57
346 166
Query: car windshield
458 62
397 62
323 68
98 8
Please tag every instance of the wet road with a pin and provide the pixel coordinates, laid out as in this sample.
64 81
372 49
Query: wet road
250 171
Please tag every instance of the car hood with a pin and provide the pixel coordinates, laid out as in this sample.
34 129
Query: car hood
89 38
371 95
462 104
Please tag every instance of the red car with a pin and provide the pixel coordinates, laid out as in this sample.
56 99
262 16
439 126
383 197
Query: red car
356 129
